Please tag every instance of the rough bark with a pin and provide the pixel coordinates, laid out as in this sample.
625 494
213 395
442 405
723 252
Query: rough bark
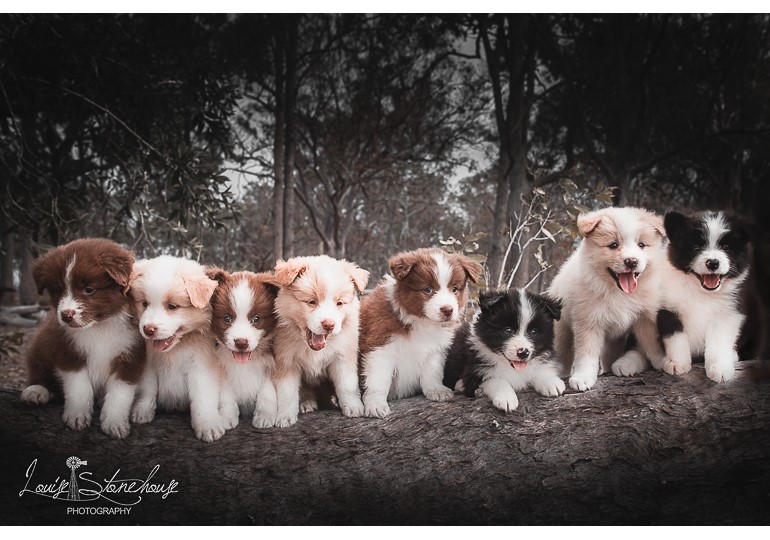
27 288
652 449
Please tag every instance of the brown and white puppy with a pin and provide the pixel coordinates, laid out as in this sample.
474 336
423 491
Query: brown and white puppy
609 286
243 323
172 300
407 324
88 347
317 334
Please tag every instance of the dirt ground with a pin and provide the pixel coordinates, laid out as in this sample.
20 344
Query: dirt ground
13 372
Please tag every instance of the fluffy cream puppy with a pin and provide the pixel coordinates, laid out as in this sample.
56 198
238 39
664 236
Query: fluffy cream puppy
609 286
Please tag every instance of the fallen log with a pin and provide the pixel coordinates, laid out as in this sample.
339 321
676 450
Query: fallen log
651 449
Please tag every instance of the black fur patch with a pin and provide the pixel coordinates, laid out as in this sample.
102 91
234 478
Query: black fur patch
669 323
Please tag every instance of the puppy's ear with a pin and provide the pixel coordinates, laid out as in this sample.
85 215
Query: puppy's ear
400 265
472 268
199 289
288 271
358 275
674 222
42 272
488 299
656 222
270 282
136 272
217 274
587 222
552 306
119 265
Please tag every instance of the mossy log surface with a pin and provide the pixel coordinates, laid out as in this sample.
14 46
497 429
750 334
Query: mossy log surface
652 449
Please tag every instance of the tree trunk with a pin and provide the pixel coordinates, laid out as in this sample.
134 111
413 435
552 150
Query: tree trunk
27 288
279 147
289 205
8 248
646 450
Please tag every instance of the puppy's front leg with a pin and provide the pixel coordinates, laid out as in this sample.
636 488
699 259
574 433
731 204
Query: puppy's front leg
266 409
720 355
287 397
588 348
431 379
501 393
203 390
344 375
377 369
546 381
117 407
78 398
147 397
228 406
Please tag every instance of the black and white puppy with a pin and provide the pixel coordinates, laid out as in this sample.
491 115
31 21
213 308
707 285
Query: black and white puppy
707 293
507 347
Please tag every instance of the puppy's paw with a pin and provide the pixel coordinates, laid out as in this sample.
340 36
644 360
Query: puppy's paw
263 421
352 408
230 418
631 363
77 420
36 394
720 371
143 412
209 430
308 406
117 428
440 393
286 420
677 366
583 380
376 408
551 388
507 402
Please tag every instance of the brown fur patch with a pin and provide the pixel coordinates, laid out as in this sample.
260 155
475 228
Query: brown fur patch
379 322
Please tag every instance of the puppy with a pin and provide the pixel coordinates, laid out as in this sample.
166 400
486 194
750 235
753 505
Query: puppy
609 286
88 346
317 334
407 324
707 294
508 347
172 300
243 323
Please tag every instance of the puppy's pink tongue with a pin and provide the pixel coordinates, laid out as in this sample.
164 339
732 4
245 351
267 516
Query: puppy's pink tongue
518 366
316 341
242 357
161 345
627 281
712 280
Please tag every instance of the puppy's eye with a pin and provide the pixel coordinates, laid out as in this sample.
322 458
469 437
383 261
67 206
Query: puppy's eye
89 291
228 319
455 289
339 303
255 319
641 245
533 331
172 307
508 330
614 245
696 247
312 302
428 290
145 303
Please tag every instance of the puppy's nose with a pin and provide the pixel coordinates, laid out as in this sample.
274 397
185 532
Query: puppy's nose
241 343
447 311
327 325
631 263
67 315
712 264
150 329
523 353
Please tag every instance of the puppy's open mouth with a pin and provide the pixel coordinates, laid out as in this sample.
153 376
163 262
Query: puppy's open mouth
316 341
162 345
626 281
519 365
710 282
241 356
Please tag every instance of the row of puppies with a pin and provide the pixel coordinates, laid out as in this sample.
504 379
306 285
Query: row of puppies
302 323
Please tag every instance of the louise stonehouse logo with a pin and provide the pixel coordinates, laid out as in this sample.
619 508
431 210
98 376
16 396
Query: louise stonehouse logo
121 493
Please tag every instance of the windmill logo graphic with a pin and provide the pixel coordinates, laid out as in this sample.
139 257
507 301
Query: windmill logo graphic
73 463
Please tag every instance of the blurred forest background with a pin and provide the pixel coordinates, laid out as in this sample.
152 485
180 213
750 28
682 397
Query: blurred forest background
241 139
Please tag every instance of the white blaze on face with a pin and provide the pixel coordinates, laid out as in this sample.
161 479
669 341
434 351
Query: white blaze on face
68 301
630 232
520 341
443 297
332 284
714 228
157 282
241 301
